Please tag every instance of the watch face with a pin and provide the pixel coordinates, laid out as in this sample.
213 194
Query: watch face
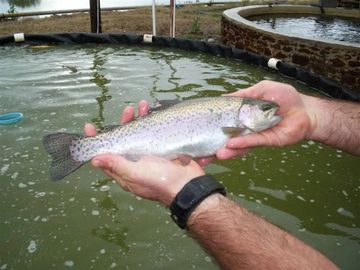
185 200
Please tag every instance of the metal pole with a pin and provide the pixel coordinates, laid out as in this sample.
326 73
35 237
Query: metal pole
172 17
95 16
154 17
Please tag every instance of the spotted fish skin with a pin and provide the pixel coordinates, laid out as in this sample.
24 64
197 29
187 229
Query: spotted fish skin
195 128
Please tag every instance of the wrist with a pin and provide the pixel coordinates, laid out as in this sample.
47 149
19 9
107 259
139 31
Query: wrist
192 195
210 203
320 115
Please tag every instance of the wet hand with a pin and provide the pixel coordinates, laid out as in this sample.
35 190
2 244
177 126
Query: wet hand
151 177
294 126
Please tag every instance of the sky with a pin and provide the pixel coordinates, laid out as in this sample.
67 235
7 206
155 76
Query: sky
46 5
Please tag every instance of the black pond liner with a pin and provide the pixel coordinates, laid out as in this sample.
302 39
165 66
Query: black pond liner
327 86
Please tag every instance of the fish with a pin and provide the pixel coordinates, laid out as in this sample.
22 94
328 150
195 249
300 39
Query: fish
190 129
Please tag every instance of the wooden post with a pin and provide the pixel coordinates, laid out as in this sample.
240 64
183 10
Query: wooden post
95 16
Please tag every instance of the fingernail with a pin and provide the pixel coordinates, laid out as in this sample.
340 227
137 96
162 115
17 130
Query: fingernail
97 163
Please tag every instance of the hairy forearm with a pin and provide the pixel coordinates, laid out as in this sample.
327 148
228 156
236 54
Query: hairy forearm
236 238
335 123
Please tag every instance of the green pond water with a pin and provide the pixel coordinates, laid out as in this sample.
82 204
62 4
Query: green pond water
87 221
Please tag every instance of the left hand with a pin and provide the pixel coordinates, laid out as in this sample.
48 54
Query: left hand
151 177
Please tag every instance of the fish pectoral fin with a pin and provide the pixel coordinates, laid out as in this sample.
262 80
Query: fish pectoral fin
184 159
233 131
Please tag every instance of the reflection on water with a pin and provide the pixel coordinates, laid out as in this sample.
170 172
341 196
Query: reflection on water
100 80
312 26
87 222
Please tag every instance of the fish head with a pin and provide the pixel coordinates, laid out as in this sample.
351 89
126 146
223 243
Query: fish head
257 115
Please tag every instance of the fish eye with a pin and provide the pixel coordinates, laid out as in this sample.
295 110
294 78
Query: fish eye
266 106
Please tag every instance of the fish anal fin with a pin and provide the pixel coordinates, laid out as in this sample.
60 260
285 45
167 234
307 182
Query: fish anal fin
233 131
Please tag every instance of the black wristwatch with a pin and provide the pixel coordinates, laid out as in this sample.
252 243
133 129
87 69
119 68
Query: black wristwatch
191 195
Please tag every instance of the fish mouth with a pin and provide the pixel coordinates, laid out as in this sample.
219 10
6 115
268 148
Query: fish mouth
270 115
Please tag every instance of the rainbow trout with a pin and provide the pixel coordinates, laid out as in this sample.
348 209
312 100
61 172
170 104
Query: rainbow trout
192 128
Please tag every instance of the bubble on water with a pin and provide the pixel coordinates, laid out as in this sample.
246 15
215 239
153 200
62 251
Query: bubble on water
102 251
32 246
40 194
3 267
311 142
31 183
94 200
301 198
113 265
131 208
44 219
69 263
53 113
345 193
22 185
4 169
95 212
36 218
14 175
72 199
104 188
50 209
305 146
207 259
23 138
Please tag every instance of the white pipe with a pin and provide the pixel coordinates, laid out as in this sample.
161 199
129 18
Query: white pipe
154 17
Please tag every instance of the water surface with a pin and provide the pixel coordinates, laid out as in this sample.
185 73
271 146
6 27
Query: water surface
87 221
312 26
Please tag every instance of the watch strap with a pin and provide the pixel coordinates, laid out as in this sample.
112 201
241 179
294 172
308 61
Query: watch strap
191 195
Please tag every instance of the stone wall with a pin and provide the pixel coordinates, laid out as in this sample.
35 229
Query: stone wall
338 61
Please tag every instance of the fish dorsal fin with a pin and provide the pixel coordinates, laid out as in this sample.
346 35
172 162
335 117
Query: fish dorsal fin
233 131
109 128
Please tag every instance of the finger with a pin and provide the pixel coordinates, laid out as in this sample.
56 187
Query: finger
226 153
118 179
127 115
119 166
265 138
143 108
205 161
90 130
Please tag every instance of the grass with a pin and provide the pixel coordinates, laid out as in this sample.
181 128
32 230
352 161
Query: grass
192 21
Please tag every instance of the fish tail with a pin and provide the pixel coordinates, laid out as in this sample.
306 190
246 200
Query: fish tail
58 146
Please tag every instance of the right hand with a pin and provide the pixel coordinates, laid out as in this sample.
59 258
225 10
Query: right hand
295 126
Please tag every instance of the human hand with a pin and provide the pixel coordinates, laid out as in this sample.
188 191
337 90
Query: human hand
151 177
295 124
